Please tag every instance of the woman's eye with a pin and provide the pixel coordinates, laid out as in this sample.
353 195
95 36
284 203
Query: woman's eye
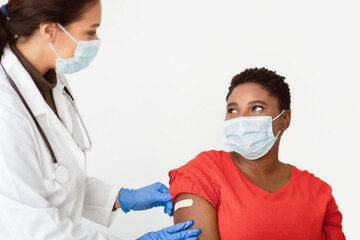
256 108
231 110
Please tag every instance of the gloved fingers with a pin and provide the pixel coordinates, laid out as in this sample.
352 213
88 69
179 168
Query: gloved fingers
169 208
179 227
161 197
176 232
161 187
148 236
156 192
154 195
192 238
166 211
185 234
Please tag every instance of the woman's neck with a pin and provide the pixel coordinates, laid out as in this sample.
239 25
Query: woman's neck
262 167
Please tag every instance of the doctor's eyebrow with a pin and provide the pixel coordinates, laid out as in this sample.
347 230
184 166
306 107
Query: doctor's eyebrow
257 102
95 25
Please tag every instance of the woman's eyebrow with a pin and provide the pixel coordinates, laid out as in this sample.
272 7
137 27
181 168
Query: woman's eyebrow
257 102
232 104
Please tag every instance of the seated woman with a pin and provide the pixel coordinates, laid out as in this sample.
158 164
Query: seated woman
248 194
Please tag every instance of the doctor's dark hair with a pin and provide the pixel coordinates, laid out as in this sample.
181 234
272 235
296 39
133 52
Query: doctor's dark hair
273 83
25 16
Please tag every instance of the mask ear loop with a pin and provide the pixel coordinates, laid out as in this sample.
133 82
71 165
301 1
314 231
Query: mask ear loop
278 134
277 118
53 48
67 33
279 115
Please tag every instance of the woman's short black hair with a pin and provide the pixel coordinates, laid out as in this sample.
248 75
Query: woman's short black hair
273 83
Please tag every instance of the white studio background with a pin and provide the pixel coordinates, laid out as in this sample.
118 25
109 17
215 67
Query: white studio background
155 96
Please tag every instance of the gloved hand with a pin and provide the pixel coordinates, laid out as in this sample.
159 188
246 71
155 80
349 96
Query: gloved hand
154 195
176 232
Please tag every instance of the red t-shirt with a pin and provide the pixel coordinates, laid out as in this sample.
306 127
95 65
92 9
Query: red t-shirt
303 209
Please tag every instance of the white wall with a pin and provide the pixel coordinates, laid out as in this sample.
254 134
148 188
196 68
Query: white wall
155 96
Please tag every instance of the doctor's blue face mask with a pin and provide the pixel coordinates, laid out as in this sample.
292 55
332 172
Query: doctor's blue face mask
85 52
251 137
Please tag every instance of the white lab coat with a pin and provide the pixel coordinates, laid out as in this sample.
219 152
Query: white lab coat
32 205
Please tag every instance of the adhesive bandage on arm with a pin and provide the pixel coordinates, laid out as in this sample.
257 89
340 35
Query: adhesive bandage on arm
183 203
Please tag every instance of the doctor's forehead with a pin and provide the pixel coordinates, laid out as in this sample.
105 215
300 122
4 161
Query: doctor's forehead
91 17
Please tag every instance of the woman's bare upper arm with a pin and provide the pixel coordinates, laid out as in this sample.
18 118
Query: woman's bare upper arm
201 212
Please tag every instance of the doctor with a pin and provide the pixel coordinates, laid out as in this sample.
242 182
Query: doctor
44 189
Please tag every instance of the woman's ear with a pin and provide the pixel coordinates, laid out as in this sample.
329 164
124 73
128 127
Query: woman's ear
285 120
48 31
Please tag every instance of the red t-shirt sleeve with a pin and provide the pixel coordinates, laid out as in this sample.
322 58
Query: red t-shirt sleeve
331 228
194 177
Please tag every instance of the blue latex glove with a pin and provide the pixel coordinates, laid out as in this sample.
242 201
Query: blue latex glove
154 195
176 232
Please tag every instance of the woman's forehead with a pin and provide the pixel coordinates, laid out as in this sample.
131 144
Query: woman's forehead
249 92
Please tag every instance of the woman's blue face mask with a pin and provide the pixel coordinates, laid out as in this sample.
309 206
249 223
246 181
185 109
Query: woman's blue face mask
251 137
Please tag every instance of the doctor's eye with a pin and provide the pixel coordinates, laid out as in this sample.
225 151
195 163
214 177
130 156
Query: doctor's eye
257 108
92 33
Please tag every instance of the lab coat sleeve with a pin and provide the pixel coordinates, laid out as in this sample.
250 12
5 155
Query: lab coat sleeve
25 212
100 198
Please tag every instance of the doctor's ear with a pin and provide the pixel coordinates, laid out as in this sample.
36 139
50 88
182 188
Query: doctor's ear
48 31
285 120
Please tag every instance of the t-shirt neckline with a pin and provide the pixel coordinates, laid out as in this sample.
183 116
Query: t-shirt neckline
281 189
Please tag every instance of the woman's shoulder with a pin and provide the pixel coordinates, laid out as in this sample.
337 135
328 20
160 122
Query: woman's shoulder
214 155
306 179
207 160
207 165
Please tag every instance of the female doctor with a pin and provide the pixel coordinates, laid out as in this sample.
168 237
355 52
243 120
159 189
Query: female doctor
44 189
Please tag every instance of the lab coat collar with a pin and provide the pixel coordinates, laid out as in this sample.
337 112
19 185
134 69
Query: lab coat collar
24 83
